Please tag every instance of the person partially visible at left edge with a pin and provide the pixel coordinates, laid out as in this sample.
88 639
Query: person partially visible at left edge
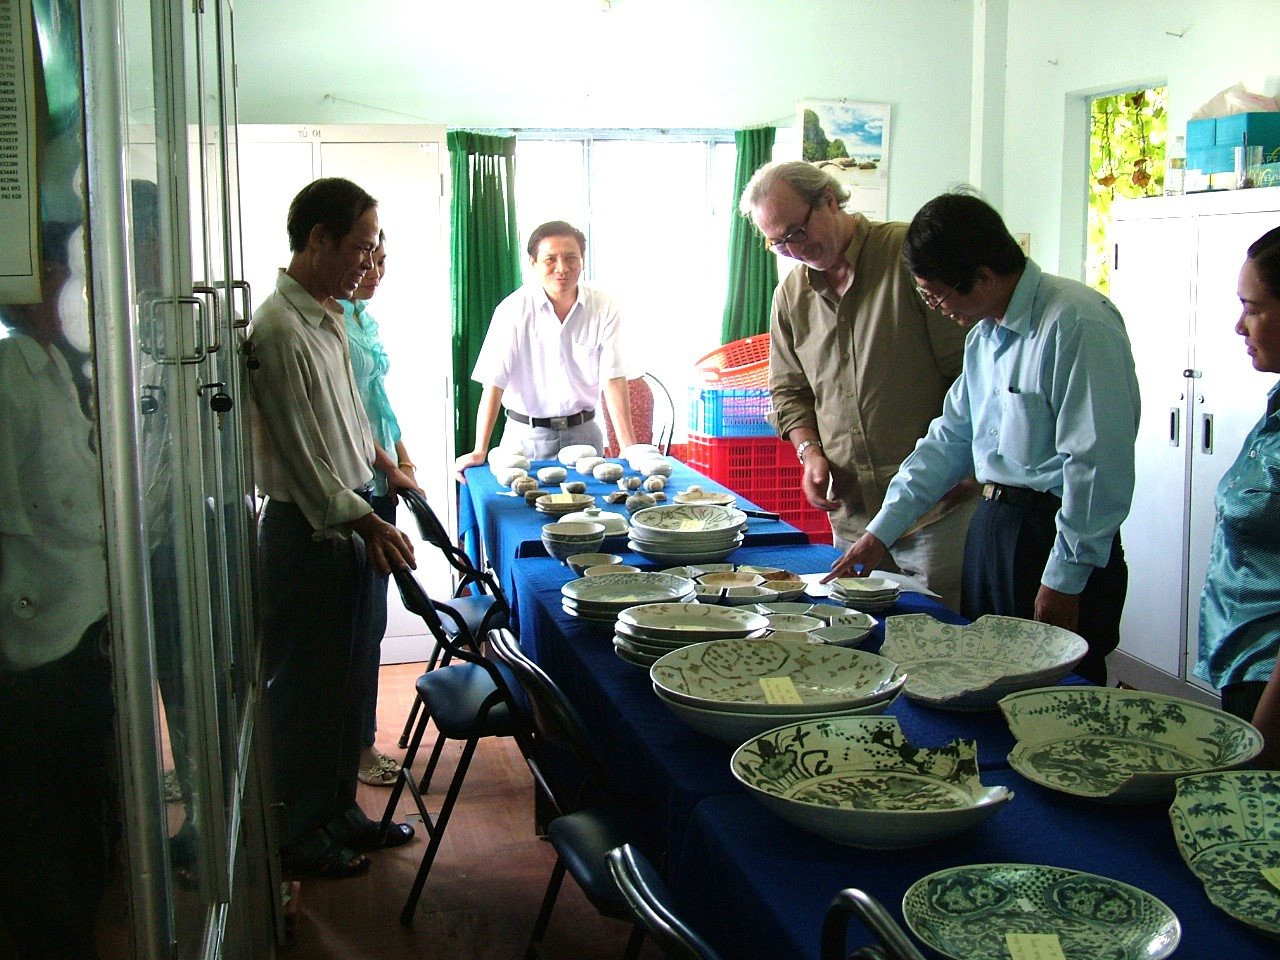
369 365
319 540
1044 413
550 347
1240 603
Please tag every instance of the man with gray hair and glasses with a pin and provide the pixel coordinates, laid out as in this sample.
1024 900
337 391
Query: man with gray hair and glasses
859 364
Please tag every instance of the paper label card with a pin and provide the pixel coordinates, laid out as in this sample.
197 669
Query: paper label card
689 523
1272 876
1034 946
779 690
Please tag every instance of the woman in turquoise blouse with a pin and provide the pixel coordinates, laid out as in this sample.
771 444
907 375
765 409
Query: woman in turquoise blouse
369 364
1240 606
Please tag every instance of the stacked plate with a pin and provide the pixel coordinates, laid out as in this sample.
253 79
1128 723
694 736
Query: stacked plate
735 689
687 533
644 634
868 594
559 504
603 598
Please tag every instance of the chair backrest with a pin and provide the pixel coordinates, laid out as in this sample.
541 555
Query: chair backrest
640 399
458 643
557 726
664 413
642 889
466 573
894 944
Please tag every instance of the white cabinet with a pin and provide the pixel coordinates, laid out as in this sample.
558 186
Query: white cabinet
1176 260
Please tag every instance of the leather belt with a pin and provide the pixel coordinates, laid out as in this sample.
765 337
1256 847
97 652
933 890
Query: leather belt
554 423
1021 497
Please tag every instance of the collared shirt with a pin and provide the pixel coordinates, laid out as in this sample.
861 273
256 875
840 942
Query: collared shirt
1049 401
1240 605
547 368
867 370
312 445
369 365
53 572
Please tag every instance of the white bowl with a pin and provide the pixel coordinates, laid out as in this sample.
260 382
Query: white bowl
972 667
1125 746
551 475
579 562
737 728
608 568
859 781
570 532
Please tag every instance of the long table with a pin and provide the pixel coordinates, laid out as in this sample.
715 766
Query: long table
755 886
499 528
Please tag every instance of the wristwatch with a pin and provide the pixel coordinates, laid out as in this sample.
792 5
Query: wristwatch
804 445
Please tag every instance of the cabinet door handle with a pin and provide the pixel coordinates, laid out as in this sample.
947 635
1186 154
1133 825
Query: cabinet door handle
1206 433
1175 427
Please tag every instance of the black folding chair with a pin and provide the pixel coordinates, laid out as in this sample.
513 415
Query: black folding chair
591 818
894 944
642 888
477 606
468 700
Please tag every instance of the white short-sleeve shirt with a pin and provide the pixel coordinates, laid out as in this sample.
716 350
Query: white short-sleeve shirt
547 368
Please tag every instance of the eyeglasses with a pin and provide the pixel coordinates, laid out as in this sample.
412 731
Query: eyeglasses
932 301
795 236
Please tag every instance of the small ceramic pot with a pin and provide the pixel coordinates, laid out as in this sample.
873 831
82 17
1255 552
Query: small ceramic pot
629 483
655 483
549 475
531 496
607 472
659 496
522 485
618 496
573 486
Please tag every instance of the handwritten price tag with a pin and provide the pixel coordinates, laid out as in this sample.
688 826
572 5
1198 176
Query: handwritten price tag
1272 876
1034 946
779 690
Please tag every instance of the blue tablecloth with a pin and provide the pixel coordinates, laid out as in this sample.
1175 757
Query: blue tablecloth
503 527
667 766
754 886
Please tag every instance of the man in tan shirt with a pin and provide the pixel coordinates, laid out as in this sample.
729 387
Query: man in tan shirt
319 540
858 366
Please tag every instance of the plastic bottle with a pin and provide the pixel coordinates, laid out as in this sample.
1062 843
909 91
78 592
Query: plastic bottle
1175 168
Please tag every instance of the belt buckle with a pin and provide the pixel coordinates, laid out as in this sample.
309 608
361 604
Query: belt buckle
558 423
992 491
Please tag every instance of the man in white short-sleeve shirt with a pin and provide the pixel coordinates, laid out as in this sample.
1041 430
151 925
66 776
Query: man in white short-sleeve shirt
549 347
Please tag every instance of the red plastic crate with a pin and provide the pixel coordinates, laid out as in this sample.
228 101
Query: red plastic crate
764 470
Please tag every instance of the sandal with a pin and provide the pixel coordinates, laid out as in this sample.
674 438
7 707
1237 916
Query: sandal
335 862
381 773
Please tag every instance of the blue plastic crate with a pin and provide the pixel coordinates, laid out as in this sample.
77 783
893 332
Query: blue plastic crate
729 413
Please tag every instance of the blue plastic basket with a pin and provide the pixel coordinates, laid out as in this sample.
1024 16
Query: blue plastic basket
729 413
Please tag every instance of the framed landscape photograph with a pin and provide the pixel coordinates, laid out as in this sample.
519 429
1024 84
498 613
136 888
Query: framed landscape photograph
851 140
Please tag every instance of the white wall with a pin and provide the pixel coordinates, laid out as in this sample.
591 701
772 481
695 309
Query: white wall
644 63
1060 53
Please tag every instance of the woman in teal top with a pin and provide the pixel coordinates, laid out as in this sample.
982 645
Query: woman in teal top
369 365
1240 606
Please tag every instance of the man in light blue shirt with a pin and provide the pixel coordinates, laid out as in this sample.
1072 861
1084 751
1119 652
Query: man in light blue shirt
1044 414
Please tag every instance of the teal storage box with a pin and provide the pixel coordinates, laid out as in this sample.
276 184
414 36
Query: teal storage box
1202 133
1261 128
1211 159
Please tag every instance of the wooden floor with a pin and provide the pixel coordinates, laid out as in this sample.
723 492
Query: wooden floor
487 883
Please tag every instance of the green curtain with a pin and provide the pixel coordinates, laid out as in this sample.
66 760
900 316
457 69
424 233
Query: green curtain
484 263
753 271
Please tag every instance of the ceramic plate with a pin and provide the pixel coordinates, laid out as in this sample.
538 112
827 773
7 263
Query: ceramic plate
795 622
613 609
859 781
737 728
828 613
1227 826
635 659
1127 746
705 498
965 913
709 541
693 570
626 589
687 520
726 675
972 667
841 636
673 621
594 615
861 586
734 596
649 550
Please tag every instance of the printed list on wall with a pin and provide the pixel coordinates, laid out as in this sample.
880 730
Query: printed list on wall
19 240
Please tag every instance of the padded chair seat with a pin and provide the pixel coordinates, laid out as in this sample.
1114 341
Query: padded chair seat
583 838
454 694
473 610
